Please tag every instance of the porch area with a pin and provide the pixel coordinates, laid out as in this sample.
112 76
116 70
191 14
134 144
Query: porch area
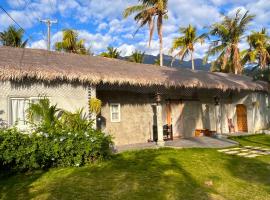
194 142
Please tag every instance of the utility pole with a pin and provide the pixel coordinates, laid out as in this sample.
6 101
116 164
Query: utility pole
49 23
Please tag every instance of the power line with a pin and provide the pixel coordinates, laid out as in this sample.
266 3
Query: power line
15 22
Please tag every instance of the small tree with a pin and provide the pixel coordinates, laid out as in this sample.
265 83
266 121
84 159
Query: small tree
71 43
137 57
186 43
13 37
111 53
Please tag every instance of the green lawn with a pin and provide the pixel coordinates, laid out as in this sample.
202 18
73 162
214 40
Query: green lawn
153 174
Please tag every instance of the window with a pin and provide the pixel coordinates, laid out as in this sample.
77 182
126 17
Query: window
115 112
18 110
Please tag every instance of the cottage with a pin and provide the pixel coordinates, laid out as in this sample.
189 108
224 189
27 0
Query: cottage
140 103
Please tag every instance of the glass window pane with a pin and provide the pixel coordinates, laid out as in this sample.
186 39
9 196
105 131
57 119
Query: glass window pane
115 116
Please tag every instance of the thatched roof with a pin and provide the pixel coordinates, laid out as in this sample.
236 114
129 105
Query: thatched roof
18 64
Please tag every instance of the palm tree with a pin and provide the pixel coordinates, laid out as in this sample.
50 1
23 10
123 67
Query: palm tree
229 33
186 43
13 37
71 43
259 42
147 12
137 57
111 53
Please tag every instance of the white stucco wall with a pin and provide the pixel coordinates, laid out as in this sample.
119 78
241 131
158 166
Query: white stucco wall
66 96
190 115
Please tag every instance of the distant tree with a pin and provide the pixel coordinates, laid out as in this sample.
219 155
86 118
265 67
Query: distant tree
146 13
226 47
258 52
186 43
137 57
157 62
13 37
111 53
71 43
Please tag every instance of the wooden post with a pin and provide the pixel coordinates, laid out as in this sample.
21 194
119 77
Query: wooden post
92 94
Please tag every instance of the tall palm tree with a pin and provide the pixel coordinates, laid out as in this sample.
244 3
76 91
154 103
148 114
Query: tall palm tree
13 37
111 53
186 43
150 12
259 42
71 43
137 57
229 33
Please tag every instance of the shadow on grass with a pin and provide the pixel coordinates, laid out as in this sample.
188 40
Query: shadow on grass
255 140
136 175
17 185
252 170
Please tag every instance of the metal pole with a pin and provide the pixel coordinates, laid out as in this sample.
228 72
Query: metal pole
48 22
49 36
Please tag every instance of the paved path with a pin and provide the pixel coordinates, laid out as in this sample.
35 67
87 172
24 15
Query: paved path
196 142
246 151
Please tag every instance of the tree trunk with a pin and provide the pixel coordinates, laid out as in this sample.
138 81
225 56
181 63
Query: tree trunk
192 60
159 25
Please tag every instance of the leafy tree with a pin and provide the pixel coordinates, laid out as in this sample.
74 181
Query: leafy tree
186 43
71 43
13 37
229 33
258 53
150 12
137 57
111 53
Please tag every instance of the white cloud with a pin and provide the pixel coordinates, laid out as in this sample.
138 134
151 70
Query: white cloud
104 24
40 44
126 49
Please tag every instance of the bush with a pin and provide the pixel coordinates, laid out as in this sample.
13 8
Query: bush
21 151
58 138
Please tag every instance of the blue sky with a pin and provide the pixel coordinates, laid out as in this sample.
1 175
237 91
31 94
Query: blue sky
100 22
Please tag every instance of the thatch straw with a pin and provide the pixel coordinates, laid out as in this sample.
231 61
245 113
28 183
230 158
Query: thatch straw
17 64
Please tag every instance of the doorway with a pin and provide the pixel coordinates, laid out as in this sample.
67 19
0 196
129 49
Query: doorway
241 112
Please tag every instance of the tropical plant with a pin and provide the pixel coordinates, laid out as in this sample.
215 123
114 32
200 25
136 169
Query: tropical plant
229 32
157 62
259 43
71 43
43 114
13 37
74 121
150 12
137 57
111 53
186 43
95 105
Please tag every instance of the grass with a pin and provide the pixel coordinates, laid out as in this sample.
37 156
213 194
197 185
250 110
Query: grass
153 174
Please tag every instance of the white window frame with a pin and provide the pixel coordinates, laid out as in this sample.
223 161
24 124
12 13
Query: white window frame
119 112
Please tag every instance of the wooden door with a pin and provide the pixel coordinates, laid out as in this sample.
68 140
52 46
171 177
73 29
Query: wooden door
241 111
169 121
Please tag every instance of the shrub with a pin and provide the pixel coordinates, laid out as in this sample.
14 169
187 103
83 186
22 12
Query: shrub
57 138
21 151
